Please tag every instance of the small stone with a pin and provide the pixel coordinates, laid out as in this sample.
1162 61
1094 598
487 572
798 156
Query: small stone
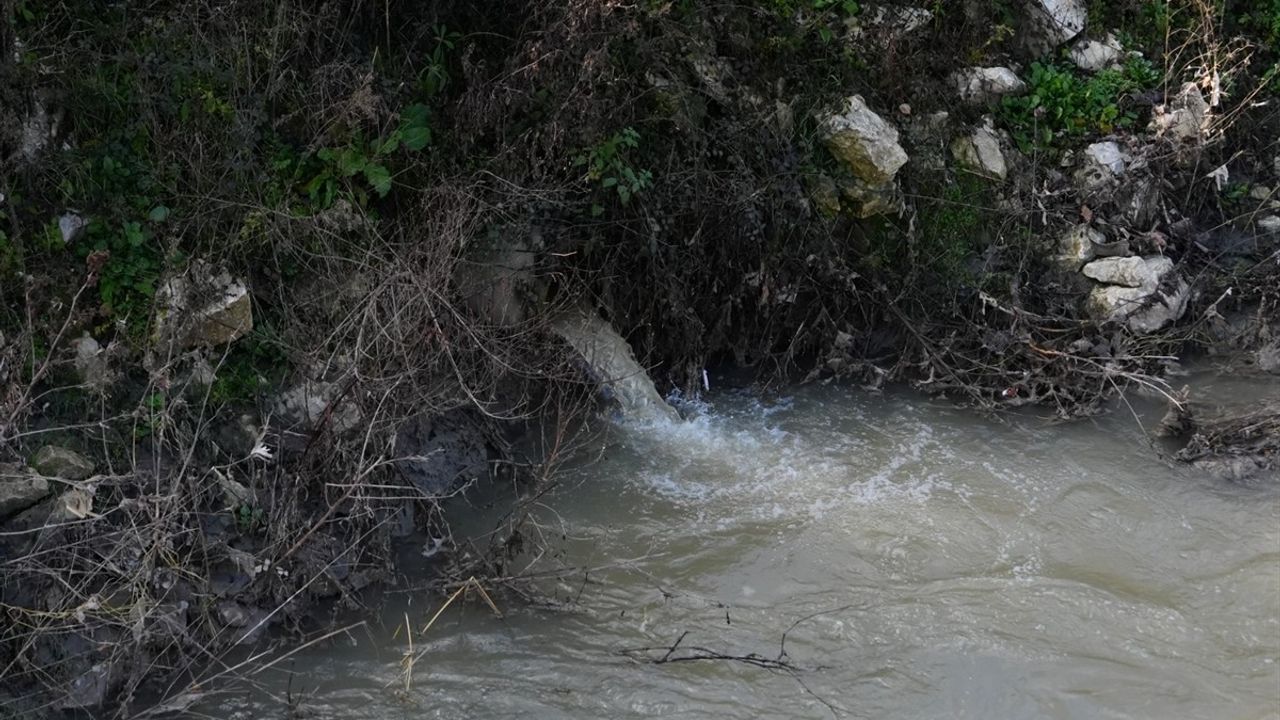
905 109
90 362
1269 225
19 489
980 85
60 462
1107 155
72 227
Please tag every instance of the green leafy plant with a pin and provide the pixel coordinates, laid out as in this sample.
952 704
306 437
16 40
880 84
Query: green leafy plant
360 165
249 518
608 165
253 365
434 78
1061 104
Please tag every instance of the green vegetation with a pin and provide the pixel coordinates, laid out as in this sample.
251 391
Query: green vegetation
789 7
252 365
1061 103
823 11
355 167
609 165
249 519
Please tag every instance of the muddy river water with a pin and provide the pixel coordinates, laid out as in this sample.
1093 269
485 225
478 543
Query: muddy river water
922 562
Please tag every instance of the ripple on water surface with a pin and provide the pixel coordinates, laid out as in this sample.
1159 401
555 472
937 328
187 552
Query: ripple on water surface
937 565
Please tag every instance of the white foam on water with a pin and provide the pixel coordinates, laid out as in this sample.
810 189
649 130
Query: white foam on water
746 463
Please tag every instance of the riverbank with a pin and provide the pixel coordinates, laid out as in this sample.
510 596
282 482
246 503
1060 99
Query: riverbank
276 287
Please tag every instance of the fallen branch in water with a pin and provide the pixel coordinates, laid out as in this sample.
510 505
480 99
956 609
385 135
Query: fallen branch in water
677 652
694 653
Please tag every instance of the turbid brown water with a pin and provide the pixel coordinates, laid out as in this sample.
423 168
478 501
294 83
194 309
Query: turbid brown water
924 563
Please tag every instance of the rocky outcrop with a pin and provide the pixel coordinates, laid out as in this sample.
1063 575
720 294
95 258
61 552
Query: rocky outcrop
202 308
867 146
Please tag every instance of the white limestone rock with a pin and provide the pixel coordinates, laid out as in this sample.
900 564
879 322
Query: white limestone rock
1184 118
202 308
1051 23
864 142
981 85
981 151
1096 55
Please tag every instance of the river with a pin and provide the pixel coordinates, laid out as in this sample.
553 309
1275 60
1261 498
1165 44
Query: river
922 561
